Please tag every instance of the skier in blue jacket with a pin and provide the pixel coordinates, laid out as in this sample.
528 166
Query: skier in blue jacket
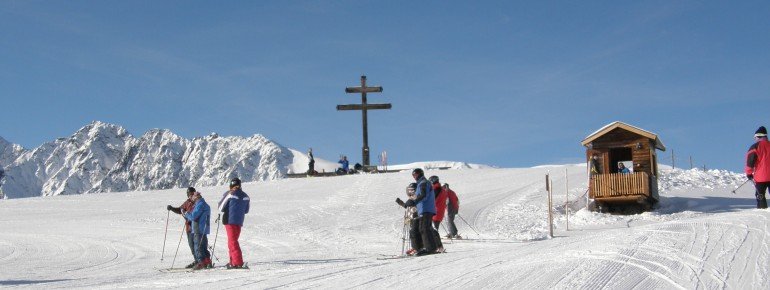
234 207
200 227
424 200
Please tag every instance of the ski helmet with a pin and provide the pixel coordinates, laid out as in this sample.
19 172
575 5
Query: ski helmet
411 188
433 179
191 189
235 182
418 171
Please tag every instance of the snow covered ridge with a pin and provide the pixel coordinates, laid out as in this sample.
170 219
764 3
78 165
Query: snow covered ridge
103 157
439 165
671 179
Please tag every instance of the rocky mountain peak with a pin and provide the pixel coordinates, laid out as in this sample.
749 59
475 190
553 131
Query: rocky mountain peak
103 157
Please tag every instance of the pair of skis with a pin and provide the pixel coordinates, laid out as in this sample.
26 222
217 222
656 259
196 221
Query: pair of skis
176 270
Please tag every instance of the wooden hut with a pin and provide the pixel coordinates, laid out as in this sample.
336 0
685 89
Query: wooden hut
617 143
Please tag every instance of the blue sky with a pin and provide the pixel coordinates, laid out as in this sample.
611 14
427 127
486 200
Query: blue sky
503 83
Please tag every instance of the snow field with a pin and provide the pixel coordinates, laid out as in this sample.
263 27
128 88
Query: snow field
329 232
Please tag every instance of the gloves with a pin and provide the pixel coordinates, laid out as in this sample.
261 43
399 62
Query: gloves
400 202
750 176
409 203
168 207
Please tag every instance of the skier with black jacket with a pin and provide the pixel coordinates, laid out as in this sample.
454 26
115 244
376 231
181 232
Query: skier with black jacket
187 206
415 239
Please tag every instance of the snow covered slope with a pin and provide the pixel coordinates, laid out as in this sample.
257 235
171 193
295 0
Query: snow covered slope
330 232
102 157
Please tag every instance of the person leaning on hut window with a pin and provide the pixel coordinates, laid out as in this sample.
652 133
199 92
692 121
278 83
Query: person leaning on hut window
595 167
622 168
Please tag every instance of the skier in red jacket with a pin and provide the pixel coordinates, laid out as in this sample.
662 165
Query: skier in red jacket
758 165
440 208
452 210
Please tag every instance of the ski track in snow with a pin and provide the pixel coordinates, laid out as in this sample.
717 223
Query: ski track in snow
328 233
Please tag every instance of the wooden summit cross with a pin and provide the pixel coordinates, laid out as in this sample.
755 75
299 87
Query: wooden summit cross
363 107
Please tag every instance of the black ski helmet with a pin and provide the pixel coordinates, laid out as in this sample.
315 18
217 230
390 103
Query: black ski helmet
433 179
191 189
418 171
411 188
235 182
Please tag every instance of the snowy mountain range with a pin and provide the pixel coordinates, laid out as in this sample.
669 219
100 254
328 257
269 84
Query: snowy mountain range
103 157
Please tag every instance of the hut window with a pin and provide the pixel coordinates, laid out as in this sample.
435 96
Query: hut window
622 154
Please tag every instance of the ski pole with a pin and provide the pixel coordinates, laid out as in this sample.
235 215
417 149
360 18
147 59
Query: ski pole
165 234
447 232
215 238
184 223
739 186
403 232
469 225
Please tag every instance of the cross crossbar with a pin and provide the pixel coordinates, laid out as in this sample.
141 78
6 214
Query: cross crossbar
361 107
351 90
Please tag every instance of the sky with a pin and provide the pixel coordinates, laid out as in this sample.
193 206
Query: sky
501 83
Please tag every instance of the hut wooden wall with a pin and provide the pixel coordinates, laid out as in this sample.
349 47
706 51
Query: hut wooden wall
642 157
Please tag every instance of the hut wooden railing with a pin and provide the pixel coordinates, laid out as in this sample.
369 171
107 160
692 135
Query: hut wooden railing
619 184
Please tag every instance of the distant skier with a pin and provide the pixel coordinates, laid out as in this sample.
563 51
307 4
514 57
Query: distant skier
200 217
758 165
311 162
452 210
234 206
441 197
426 208
345 164
187 206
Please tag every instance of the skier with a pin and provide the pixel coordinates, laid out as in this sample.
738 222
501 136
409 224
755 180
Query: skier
758 165
452 210
441 197
200 216
311 163
414 227
345 164
234 206
187 206
424 200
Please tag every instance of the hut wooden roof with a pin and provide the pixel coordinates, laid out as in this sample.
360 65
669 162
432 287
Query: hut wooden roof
617 124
